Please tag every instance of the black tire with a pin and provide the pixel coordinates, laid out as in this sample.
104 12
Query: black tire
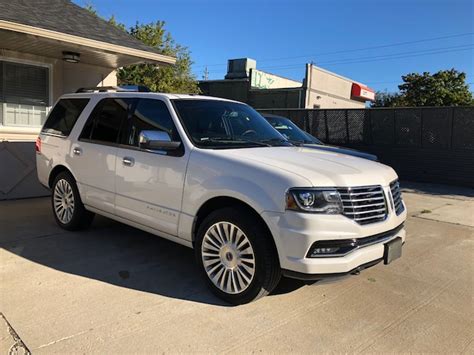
267 271
81 218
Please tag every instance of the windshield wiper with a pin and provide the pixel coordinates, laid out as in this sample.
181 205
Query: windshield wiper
296 142
277 140
301 142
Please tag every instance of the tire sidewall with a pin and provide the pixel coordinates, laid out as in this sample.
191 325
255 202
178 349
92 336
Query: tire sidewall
255 234
76 215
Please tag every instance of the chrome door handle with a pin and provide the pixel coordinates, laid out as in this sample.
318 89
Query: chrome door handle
77 151
128 161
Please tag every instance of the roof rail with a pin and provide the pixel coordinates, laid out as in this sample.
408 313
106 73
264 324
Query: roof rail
124 88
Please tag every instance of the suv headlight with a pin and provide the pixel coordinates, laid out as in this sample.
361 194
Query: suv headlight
314 200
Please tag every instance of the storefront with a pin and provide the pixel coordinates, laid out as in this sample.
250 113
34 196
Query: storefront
325 89
320 88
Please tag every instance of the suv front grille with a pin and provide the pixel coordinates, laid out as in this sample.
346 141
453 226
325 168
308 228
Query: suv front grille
364 204
397 197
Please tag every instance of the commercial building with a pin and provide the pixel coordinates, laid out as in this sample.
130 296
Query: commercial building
48 48
319 89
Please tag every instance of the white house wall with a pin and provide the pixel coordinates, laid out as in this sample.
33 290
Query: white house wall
64 78
17 144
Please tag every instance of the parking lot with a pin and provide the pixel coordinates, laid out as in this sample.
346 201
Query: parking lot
115 289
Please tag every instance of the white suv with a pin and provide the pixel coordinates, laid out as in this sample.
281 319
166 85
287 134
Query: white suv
214 175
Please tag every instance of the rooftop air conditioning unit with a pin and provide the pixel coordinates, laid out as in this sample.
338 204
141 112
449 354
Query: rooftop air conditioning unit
240 68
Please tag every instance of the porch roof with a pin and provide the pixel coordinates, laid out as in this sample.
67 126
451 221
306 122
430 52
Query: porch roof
49 27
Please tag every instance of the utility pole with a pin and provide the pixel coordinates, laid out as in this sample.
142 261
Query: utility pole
206 74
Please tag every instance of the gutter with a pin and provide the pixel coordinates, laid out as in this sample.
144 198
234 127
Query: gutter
82 41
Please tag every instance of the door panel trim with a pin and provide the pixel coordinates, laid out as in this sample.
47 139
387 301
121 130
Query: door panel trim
134 224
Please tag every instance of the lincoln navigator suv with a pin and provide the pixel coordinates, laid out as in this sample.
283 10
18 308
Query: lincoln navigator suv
215 176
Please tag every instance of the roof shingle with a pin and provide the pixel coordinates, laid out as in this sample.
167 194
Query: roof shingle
65 17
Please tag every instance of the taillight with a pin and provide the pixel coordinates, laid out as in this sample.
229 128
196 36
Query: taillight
38 145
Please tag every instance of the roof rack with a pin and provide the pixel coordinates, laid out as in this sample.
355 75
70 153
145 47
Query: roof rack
123 88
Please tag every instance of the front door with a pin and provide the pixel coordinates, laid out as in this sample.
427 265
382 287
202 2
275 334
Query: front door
149 184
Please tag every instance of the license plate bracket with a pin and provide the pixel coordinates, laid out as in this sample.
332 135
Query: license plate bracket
392 250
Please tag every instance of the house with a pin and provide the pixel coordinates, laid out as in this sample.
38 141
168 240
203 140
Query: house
48 48
319 89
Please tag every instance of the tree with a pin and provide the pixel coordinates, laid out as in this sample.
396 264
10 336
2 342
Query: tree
387 99
444 88
89 7
176 78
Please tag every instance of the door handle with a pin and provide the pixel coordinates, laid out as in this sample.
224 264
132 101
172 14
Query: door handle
128 161
77 151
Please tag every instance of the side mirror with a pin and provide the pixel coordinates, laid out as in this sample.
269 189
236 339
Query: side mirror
157 140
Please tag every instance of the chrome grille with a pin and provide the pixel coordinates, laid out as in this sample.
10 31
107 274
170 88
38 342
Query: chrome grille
396 197
364 204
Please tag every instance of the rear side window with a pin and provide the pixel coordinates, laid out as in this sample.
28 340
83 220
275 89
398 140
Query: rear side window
106 120
64 115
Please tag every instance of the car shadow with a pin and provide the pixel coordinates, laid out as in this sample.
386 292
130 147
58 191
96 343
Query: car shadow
117 254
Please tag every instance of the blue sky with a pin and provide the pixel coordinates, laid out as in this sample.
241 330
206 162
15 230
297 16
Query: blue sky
283 35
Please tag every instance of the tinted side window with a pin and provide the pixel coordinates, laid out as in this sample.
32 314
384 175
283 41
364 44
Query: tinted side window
152 115
106 120
64 115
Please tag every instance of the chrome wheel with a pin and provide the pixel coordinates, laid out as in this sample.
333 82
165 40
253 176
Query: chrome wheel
63 199
228 257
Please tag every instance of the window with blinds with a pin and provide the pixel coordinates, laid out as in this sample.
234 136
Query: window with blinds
24 94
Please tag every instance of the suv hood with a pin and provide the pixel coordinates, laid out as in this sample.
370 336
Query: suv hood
336 149
319 167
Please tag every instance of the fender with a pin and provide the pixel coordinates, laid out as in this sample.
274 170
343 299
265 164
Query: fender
247 191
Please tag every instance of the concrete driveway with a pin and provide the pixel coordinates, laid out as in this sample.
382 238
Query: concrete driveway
114 289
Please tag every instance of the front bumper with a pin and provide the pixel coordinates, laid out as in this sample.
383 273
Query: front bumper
295 233
315 277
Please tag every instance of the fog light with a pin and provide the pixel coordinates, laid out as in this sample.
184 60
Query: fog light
323 251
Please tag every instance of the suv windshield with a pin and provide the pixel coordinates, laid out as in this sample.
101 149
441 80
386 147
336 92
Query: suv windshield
225 124
291 131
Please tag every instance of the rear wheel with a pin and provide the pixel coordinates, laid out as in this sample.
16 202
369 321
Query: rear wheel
237 256
68 210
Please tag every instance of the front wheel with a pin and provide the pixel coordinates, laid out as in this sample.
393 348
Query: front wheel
237 256
69 212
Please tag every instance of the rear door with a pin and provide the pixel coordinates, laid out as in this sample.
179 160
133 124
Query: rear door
56 129
94 154
149 184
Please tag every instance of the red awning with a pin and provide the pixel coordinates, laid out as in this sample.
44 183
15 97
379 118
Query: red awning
362 93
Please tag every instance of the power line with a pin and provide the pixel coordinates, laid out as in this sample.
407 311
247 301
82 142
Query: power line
405 56
383 46
399 57
352 50
351 60
382 82
378 58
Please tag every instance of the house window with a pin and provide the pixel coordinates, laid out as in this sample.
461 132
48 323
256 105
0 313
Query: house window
24 94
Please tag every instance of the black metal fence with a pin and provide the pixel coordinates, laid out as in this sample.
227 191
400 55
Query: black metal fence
432 144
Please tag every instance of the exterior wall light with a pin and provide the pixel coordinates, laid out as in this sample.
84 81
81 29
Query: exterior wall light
71 57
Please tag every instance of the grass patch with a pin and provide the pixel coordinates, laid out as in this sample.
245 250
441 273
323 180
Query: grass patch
425 211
